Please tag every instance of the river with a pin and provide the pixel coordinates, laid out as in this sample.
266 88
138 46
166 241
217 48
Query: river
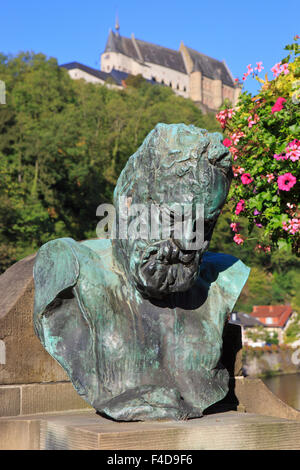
286 387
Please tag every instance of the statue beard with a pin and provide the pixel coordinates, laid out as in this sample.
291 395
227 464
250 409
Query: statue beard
163 268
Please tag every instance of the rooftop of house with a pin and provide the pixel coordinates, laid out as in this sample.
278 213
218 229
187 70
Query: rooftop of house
277 315
117 76
143 51
96 73
244 319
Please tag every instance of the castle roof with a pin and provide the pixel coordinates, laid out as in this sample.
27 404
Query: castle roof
143 51
211 68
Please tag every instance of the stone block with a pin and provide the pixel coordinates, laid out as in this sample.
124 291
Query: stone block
43 398
10 401
22 357
19 435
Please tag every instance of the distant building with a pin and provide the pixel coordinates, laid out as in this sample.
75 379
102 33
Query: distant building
275 318
248 325
189 73
79 71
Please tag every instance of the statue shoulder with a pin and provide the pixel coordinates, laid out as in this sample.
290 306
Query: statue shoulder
60 262
56 268
228 272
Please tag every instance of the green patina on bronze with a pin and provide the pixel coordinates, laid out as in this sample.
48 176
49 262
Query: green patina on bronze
138 325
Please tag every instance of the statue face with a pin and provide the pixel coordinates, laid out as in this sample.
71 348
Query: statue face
182 165
161 267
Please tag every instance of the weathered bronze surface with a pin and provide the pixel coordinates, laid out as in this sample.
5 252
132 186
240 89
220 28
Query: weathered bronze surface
138 324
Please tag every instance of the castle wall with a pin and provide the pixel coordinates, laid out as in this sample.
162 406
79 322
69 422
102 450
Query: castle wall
229 93
179 81
77 74
193 85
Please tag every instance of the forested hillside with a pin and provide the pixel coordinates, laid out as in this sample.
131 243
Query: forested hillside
63 144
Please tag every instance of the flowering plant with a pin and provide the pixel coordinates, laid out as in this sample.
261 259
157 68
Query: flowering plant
263 136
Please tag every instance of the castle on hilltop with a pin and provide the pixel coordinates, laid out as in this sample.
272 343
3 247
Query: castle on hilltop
191 74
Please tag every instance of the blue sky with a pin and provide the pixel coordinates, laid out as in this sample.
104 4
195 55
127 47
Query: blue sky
76 30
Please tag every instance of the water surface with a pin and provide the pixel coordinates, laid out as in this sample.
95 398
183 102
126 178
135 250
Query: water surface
286 387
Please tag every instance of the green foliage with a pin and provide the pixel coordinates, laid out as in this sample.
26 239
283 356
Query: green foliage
292 333
63 144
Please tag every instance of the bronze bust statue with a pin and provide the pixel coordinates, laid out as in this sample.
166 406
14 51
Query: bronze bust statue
137 323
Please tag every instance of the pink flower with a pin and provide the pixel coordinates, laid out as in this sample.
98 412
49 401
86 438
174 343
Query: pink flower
223 115
270 177
280 157
236 136
237 170
276 69
240 207
233 152
285 69
286 182
259 67
256 212
246 178
227 142
278 106
292 226
235 226
238 239
253 121
293 150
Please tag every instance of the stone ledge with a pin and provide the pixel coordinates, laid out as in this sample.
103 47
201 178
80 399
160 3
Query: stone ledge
28 399
86 430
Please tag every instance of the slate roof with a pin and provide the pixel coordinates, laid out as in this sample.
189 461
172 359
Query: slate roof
117 75
211 68
150 52
96 73
278 313
245 320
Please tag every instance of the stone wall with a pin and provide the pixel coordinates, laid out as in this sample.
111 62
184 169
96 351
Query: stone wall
31 381
257 363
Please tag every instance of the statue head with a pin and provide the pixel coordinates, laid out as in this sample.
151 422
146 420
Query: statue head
177 166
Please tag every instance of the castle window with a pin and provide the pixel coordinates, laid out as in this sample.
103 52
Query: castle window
170 84
184 88
177 86
162 82
154 79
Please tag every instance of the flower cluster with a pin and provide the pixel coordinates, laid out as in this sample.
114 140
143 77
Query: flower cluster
266 249
263 135
250 70
224 115
292 226
292 152
253 120
278 68
237 171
